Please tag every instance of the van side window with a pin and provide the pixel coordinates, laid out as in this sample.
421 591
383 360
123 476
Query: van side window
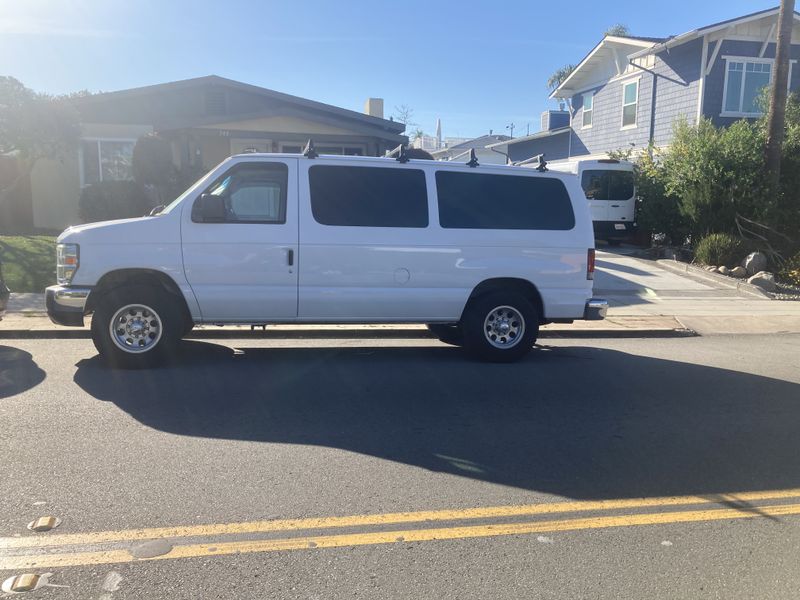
599 184
368 196
252 193
483 201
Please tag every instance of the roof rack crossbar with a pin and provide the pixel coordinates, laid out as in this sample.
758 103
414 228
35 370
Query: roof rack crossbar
309 151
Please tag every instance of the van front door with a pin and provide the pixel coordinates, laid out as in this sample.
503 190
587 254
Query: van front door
240 259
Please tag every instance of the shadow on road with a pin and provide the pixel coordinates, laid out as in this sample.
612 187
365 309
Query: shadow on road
579 422
18 371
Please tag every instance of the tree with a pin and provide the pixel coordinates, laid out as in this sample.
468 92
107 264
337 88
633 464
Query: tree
33 126
404 114
777 103
618 30
557 78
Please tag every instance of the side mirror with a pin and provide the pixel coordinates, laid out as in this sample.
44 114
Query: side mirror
211 208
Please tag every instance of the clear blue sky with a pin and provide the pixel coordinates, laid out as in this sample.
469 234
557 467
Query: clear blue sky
477 65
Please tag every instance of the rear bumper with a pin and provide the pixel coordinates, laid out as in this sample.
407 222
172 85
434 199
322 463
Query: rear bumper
66 305
595 310
614 230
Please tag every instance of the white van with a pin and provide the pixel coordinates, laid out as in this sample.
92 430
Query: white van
482 254
609 187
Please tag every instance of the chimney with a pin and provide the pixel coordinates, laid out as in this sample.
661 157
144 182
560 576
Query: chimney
374 107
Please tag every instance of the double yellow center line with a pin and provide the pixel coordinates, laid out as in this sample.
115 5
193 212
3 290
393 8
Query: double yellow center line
105 547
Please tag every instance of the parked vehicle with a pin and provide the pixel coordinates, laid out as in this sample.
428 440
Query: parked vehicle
5 293
482 254
609 187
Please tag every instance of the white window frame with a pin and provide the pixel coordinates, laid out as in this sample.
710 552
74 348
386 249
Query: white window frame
746 59
635 124
590 111
97 141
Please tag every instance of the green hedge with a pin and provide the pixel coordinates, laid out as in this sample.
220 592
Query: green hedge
109 200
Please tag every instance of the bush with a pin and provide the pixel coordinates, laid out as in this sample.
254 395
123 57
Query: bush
790 273
113 200
719 249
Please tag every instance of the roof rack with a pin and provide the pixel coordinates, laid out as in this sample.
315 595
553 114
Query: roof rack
541 163
399 154
309 151
473 159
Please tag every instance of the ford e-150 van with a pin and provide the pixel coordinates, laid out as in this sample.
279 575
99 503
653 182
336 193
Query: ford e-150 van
481 254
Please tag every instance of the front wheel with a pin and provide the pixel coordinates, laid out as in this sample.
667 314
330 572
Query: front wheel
136 326
500 326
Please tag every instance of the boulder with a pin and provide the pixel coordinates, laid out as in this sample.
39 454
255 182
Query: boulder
764 280
723 270
755 262
738 272
711 268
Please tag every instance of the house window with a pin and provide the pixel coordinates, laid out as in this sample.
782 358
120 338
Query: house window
745 79
630 101
588 109
106 160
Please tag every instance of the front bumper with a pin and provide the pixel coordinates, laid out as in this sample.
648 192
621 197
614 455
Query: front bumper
595 310
66 305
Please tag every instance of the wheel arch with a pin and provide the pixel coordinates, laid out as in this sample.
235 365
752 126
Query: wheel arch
152 277
523 286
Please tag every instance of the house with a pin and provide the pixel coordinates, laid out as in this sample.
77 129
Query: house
479 144
629 90
206 120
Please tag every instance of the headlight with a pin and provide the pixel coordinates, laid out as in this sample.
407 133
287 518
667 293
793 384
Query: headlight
66 262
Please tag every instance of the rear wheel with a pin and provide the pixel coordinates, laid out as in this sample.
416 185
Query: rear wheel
136 326
500 326
448 334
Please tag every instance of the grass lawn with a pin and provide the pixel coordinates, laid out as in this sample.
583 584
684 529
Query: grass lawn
29 262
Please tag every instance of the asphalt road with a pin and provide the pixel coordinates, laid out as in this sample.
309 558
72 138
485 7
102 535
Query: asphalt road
380 468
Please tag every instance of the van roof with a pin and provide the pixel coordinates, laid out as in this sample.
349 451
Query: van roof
382 160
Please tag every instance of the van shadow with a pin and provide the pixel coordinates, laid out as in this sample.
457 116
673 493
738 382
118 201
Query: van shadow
18 372
575 421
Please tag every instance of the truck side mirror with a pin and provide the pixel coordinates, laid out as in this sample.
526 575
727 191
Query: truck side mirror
211 208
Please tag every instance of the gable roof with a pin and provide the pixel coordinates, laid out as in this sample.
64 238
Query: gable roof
605 49
480 142
199 82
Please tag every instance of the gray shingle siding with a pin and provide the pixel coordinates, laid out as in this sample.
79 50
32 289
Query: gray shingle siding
554 147
606 131
678 88
715 80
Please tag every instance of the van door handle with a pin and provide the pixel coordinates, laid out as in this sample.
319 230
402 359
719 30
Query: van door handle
615 206
290 257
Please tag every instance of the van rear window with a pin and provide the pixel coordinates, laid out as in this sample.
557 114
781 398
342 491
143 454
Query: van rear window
599 184
484 201
368 196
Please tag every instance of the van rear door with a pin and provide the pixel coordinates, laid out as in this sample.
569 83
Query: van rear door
595 186
621 196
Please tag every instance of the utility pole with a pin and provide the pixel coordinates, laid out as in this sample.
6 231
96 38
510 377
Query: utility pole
777 97
510 127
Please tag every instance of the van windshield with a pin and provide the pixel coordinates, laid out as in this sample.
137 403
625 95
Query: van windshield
600 184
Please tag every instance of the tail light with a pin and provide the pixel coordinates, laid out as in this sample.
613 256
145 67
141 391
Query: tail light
590 264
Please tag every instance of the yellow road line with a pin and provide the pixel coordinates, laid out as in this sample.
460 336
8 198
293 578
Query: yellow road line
48 561
383 519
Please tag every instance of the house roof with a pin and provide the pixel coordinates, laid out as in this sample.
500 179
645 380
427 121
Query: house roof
583 76
385 124
480 142
533 136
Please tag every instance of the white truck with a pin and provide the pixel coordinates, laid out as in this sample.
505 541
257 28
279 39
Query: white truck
481 254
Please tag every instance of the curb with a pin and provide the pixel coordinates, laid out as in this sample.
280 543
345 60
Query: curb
744 288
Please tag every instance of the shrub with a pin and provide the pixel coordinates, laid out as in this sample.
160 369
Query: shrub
719 249
790 273
113 200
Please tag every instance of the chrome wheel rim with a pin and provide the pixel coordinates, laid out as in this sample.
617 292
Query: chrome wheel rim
135 328
504 327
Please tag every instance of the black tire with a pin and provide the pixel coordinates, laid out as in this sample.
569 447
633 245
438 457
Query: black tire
188 325
157 320
518 315
447 334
